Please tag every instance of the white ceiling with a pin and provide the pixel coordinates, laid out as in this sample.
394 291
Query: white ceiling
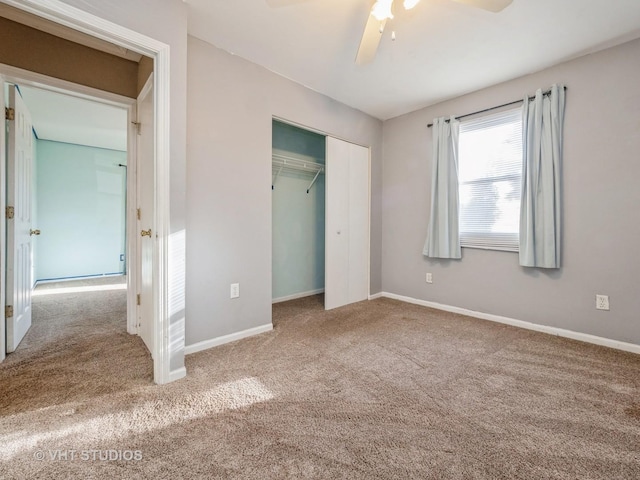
443 49
63 118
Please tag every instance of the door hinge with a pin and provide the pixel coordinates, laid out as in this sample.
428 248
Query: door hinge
8 311
138 299
138 126
138 213
10 212
9 113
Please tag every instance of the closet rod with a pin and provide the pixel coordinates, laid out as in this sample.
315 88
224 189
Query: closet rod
515 102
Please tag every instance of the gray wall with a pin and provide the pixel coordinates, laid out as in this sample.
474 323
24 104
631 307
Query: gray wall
231 103
81 193
297 216
601 205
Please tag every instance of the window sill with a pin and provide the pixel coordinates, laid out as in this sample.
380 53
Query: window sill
497 249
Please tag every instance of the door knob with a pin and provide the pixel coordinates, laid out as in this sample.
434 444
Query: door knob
145 233
34 232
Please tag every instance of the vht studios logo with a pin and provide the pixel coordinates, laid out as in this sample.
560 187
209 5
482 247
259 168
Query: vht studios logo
89 455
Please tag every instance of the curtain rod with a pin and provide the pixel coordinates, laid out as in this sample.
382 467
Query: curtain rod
547 92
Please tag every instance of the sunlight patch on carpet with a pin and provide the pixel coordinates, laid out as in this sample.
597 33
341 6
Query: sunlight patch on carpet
89 288
149 416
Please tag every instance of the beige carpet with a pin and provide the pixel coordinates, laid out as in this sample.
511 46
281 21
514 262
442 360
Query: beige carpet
374 390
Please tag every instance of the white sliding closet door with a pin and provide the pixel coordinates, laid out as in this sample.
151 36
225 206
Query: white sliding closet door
336 243
347 223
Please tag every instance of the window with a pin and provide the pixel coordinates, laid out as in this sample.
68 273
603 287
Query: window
490 172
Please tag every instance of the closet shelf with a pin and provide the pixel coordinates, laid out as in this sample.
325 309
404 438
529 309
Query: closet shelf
292 163
283 162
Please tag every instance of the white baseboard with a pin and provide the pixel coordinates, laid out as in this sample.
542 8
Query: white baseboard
560 332
81 277
232 337
297 295
177 374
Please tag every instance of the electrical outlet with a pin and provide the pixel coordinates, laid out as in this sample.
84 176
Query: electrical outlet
602 302
429 278
235 290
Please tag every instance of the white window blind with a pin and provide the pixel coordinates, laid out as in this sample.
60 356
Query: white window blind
490 173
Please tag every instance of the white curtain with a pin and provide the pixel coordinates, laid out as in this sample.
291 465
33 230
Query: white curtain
540 221
443 236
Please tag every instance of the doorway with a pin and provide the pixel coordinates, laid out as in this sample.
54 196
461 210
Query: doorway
67 185
320 216
72 203
79 20
298 212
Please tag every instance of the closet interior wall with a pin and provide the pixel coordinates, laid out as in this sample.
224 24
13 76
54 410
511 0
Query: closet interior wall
298 212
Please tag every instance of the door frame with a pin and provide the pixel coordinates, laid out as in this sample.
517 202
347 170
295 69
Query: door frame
9 74
67 15
3 228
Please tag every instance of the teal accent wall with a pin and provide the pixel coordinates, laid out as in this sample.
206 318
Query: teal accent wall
298 217
81 210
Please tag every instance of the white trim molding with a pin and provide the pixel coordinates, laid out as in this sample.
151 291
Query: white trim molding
132 221
559 332
297 295
232 337
177 374
57 85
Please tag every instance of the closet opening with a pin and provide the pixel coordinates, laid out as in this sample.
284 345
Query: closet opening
298 212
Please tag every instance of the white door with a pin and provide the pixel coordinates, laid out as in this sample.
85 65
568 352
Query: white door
358 223
19 260
347 223
146 236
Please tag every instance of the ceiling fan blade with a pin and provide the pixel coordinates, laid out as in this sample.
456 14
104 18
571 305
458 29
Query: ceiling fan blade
283 3
370 40
494 6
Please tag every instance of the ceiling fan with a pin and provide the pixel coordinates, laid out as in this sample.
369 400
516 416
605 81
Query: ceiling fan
382 10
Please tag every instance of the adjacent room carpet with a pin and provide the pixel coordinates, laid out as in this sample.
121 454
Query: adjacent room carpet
374 390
